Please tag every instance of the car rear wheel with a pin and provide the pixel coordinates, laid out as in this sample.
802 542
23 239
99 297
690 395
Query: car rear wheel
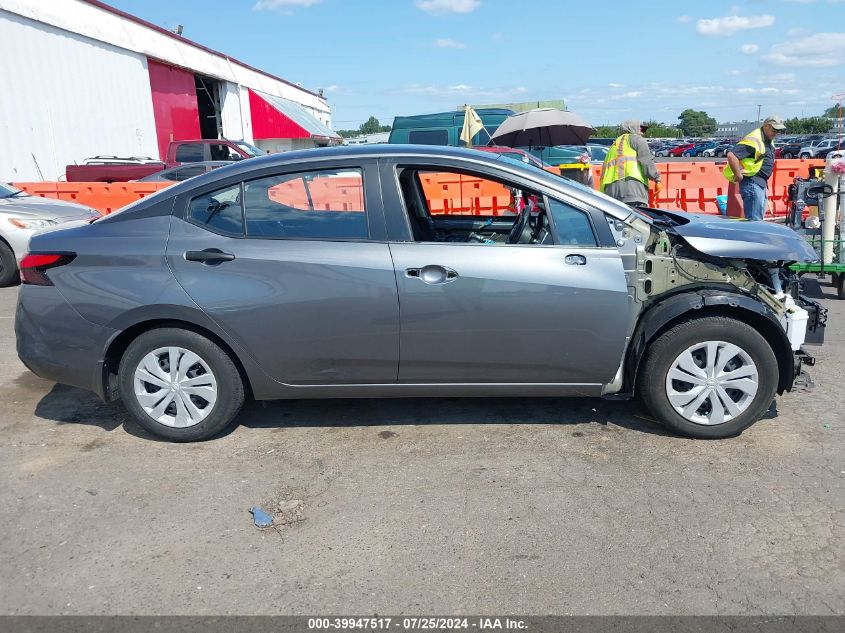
787 155
709 378
8 266
179 385
805 155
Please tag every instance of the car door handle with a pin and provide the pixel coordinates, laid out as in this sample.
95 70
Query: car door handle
432 275
575 260
209 256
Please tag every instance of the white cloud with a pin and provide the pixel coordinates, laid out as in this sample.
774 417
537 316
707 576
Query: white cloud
733 24
461 90
777 79
448 42
683 19
444 7
332 88
283 6
734 72
633 94
749 49
821 50
613 85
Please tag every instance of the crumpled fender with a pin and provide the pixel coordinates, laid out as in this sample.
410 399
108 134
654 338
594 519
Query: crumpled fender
706 301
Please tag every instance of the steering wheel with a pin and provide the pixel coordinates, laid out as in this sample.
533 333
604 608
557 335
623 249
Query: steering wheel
519 225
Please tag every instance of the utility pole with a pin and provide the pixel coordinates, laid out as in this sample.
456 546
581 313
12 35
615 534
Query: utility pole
758 112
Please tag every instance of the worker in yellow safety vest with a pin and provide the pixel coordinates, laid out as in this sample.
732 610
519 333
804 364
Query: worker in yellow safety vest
629 166
750 165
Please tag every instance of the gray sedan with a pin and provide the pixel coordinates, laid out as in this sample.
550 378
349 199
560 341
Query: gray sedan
392 271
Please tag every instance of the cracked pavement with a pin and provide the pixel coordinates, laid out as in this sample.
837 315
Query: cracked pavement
449 506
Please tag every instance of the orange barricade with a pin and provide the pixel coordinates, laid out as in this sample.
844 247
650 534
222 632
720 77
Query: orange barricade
690 186
104 197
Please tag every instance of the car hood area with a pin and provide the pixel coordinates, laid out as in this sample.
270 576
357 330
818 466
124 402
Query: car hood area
737 238
48 208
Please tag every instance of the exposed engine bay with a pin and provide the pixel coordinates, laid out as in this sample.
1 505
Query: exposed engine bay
667 261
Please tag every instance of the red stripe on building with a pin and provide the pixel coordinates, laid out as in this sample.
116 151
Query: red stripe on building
174 104
268 122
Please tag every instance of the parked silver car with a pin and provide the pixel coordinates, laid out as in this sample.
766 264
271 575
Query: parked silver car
23 215
386 271
812 150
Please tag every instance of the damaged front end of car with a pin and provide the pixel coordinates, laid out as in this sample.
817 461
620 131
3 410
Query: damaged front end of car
689 263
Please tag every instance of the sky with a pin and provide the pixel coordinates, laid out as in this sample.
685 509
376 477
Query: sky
609 61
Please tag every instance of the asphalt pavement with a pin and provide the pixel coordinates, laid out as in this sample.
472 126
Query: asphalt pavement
449 506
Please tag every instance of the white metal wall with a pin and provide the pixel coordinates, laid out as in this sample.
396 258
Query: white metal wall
234 112
66 97
78 16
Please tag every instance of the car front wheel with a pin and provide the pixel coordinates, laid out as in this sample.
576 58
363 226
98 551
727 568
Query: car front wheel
179 385
709 377
805 155
8 265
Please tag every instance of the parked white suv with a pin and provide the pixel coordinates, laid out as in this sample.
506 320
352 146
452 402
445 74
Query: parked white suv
810 151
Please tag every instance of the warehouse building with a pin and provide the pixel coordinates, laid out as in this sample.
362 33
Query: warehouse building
81 79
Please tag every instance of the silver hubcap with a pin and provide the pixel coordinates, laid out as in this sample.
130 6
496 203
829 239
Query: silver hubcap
175 387
712 382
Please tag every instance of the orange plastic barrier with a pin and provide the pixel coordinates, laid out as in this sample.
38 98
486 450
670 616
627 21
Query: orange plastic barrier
105 197
689 186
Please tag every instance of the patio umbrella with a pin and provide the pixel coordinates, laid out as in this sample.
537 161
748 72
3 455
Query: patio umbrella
543 127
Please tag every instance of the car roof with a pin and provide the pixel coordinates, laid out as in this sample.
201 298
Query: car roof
245 168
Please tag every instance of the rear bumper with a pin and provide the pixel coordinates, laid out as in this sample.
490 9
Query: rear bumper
57 344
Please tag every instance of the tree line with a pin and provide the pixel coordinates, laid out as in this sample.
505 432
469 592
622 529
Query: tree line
370 126
699 123
690 123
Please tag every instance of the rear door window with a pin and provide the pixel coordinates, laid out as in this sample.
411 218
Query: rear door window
324 204
189 153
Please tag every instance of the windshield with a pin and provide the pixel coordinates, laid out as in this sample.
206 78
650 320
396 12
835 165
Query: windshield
252 150
7 191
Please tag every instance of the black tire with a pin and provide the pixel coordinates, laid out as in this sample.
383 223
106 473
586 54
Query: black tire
230 387
9 273
663 351
805 155
840 286
787 155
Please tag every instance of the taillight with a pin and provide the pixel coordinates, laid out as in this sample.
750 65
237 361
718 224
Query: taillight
34 266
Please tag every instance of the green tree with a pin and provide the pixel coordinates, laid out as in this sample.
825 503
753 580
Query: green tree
607 131
370 126
808 125
661 130
696 123
833 111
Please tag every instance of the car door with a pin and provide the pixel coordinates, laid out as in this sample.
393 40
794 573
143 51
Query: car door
294 267
502 313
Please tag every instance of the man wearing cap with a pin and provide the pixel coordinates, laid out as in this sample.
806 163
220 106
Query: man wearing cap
750 165
629 166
